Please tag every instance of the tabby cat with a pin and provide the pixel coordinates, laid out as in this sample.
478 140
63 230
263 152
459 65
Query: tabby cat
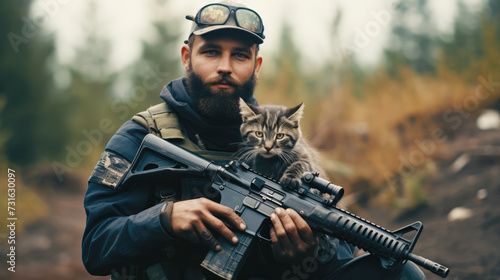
273 144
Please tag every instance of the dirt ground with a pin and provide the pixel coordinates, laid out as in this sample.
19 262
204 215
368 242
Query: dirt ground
468 247
50 248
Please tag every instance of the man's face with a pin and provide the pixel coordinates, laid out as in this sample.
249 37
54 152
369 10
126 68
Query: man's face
220 69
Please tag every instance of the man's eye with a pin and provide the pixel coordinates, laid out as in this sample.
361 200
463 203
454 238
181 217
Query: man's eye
211 52
240 55
259 133
280 135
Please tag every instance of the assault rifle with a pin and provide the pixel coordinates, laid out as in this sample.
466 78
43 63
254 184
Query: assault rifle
254 197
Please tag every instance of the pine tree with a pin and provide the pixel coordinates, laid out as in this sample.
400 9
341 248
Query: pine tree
412 39
25 85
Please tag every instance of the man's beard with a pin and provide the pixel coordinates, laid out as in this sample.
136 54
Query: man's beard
220 106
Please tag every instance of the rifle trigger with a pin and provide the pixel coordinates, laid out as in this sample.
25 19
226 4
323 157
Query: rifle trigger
262 237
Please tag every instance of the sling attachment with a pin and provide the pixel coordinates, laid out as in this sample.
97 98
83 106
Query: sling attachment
163 194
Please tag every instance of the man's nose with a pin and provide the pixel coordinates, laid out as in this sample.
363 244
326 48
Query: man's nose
224 66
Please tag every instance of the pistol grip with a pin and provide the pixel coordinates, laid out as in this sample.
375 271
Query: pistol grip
228 262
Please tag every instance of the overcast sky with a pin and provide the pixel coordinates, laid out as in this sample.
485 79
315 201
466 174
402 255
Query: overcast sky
126 22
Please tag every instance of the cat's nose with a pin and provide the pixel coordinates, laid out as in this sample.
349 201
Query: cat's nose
268 148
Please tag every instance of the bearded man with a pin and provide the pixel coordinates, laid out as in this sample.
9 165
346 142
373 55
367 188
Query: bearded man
164 231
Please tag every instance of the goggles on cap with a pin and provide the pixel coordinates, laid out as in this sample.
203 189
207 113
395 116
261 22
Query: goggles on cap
218 14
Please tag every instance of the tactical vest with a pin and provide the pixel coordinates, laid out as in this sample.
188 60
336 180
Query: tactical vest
163 122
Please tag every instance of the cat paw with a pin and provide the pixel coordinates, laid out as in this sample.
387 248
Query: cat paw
290 182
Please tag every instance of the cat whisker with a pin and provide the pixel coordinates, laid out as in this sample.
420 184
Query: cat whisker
283 158
246 154
288 157
243 150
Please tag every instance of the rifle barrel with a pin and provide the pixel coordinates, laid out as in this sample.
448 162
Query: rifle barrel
434 267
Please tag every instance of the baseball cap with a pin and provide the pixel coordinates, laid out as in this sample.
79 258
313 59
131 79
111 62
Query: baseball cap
227 15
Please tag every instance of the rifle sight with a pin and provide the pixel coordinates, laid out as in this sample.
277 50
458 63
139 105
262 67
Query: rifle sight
336 192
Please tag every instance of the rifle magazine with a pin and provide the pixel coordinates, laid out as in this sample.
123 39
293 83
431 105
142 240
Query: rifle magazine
228 262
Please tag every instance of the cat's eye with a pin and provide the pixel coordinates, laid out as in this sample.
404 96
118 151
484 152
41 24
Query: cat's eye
280 135
259 133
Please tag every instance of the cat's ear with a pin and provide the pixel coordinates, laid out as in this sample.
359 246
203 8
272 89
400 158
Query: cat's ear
295 114
246 110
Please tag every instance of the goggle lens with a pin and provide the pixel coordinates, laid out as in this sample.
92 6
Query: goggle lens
214 14
249 20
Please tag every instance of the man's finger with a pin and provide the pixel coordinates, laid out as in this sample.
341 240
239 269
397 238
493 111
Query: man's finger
226 213
280 231
208 239
303 228
275 244
221 228
274 238
289 226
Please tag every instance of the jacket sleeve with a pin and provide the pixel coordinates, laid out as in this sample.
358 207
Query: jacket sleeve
332 254
123 225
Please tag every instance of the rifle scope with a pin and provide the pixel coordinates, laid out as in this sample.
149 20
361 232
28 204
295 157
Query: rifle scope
336 192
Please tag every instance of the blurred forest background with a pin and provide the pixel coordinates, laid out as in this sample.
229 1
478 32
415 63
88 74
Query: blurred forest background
383 130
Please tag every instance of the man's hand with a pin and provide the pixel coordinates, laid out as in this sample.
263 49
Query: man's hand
292 238
196 219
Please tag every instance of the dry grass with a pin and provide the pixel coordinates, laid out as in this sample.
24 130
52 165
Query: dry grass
399 128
